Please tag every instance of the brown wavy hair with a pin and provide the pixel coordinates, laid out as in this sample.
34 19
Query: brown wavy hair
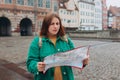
46 23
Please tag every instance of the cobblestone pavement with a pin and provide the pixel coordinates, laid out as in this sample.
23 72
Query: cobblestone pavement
104 57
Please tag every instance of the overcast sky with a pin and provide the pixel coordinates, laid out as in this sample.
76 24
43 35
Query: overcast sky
113 3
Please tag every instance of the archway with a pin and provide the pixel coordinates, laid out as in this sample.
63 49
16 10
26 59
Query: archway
26 27
5 26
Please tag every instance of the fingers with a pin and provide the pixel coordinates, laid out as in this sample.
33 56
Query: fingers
41 66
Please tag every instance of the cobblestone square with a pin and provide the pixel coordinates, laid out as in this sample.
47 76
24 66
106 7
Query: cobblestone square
104 57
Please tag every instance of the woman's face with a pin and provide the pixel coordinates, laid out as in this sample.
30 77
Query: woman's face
54 27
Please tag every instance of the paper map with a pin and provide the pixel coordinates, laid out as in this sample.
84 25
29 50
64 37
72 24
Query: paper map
69 58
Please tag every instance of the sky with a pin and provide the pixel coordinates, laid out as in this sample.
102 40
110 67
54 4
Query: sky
113 3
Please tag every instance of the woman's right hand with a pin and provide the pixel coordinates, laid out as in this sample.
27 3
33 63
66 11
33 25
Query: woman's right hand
41 66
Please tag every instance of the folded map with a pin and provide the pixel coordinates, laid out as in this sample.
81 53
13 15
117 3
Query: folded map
73 58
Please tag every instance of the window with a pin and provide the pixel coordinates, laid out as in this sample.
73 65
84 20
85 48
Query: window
21 2
31 2
40 3
55 6
110 14
8 1
47 3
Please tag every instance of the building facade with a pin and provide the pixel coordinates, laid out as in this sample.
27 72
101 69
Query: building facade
86 12
104 15
98 15
114 18
24 15
68 12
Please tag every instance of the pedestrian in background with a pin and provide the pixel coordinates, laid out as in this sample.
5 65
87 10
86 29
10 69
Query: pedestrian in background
51 40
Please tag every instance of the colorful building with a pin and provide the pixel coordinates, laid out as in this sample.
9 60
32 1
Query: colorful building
114 18
104 15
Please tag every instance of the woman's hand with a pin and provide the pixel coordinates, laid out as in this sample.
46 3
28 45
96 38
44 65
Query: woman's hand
41 66
85 62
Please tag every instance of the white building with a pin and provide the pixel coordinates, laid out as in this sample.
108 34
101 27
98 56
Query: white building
86 12
68 12
98 15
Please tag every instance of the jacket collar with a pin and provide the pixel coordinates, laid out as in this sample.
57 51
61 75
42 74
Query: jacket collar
47 39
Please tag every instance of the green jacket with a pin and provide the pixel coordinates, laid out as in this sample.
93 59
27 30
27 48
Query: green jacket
37 53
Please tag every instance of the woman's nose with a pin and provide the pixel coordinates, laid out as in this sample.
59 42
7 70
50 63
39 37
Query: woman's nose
55 25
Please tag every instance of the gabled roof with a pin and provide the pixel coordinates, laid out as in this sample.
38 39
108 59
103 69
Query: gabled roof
65 3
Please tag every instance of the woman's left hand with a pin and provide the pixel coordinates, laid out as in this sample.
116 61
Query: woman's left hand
85 62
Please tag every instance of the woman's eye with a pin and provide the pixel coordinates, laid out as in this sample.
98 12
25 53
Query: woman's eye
52 23
57 23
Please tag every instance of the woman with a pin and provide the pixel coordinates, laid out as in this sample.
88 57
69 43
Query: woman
53 40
